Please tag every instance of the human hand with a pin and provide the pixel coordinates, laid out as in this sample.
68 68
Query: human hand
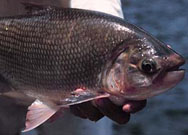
95 110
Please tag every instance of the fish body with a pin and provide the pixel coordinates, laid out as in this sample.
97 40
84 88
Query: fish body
62 57
58 50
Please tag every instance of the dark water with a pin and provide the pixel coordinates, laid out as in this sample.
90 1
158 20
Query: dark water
166 114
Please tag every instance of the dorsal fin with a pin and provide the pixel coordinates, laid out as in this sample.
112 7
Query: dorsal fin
33 8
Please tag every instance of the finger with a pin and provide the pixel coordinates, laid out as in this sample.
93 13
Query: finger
75 109
112 111
134 106
91 111
87 110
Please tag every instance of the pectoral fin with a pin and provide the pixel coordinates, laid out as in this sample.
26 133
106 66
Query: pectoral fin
38 113
80 96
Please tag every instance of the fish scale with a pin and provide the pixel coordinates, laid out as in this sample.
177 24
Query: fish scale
57 49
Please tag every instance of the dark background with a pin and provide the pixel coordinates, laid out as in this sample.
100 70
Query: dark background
166 114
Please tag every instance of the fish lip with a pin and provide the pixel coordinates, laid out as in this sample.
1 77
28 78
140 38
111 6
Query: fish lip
176 61
177 66
174 77
179 72
176 69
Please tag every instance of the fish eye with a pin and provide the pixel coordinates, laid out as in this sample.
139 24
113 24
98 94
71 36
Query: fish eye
148 66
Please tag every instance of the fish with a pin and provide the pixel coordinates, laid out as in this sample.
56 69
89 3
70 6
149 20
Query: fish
60 57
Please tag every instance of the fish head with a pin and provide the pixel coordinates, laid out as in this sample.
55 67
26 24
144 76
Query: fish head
147 67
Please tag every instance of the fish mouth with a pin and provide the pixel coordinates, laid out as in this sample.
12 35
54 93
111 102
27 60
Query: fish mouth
175 72
171 76
176 68
177 61
171 79
173 69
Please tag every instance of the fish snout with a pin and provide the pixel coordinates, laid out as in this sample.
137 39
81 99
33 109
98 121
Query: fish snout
175 61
